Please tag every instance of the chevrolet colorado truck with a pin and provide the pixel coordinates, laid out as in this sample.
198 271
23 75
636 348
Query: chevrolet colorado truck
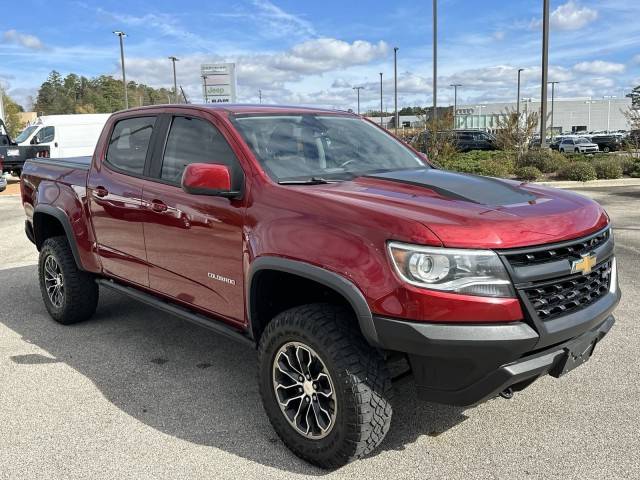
334 249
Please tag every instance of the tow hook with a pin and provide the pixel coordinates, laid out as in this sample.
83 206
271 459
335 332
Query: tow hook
507 393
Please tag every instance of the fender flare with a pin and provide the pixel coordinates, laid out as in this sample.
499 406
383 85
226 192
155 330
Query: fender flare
61 216
320 275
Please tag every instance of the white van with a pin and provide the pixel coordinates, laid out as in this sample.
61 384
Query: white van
65 135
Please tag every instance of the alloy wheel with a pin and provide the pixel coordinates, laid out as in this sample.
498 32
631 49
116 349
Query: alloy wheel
304 390
53 281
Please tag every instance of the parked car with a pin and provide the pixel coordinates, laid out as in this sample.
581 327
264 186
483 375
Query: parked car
60 136
335 250
608 143
465 140
577 145
3 183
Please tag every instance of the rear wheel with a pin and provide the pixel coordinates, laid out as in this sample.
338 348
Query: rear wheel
606 149
69 294
325 390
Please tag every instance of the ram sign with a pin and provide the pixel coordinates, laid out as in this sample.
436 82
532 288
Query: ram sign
218 82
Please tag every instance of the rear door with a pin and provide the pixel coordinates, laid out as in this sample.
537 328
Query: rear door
114 189
195 242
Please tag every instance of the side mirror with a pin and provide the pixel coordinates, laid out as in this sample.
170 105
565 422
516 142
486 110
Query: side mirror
34 141
208 179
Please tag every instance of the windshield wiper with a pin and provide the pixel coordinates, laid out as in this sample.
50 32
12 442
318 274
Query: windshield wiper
308 181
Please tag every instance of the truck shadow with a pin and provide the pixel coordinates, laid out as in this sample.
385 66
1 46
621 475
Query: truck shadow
180 379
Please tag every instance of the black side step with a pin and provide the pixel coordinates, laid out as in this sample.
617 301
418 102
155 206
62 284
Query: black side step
201 320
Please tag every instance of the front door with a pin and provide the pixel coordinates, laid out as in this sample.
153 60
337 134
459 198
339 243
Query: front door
114 189
194 242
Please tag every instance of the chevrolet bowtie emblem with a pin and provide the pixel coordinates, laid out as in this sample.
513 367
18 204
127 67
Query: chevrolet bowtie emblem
585 264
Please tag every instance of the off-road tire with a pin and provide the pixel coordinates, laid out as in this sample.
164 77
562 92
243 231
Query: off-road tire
80 294
360 378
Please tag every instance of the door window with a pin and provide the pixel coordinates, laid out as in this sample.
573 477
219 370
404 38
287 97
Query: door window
45 135
129 144
192 140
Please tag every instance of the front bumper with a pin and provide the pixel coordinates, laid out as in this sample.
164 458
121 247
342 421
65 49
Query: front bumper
465 365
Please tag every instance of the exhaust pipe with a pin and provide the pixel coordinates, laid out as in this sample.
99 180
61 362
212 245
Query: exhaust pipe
507 393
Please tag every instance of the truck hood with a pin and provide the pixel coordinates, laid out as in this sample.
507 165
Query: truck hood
469 211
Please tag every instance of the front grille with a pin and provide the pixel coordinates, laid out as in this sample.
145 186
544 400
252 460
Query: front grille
569 251
564 295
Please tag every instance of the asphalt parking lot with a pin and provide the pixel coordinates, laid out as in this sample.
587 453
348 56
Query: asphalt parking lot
139 394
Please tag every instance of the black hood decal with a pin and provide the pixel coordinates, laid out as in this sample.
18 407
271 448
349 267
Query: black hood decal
460 186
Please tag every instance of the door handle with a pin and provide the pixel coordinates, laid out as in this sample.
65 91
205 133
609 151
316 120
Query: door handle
101 192
158 206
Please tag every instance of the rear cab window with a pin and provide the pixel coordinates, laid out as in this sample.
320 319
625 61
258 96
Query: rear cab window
129 144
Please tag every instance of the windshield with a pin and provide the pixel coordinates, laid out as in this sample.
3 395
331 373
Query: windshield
305 146
582 140
26 133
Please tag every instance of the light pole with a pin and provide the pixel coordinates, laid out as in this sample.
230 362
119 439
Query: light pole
175 82
609 97
124 77
518 99
435 59
545 71
381 99
455 101
357 89
553 87
395 89
260 96
589 102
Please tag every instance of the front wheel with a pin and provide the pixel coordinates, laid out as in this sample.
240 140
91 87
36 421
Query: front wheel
577 150
325 390
606 149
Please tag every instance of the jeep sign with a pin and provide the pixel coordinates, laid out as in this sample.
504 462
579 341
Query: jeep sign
218 82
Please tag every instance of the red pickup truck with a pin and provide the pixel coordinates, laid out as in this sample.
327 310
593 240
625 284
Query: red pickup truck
333 248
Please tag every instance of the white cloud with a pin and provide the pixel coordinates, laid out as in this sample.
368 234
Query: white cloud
324 54
268 72
498 35
568 16
340 83
599 67
281 23
24 39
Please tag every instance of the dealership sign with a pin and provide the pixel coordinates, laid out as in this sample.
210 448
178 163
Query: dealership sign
218 82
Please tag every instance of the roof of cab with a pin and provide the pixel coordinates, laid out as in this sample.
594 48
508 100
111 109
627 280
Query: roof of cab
247 108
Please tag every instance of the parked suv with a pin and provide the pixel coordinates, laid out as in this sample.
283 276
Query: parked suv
465 140
334 249
608 143
577 145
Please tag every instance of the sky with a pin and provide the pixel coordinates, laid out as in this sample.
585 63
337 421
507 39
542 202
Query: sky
315 52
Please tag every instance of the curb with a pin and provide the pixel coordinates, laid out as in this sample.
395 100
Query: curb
616 182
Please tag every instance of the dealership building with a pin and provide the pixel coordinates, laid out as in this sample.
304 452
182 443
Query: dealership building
569 115
574 115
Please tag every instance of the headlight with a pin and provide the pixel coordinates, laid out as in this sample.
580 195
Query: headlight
470 272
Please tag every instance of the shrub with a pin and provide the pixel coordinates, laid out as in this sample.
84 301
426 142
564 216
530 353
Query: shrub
628 163
494 168
529 174
547 161
578 171
608 168
489 163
